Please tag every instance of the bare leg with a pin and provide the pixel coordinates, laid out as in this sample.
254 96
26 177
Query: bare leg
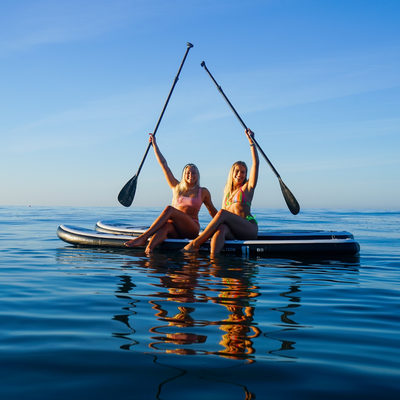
238 226
165 231
184 225
218 240
139 241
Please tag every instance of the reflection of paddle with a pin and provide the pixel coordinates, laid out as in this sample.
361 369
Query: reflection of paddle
127 193
287 194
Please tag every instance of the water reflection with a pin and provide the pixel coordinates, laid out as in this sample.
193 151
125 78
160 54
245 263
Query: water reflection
243 310
288 311
210 306
181 319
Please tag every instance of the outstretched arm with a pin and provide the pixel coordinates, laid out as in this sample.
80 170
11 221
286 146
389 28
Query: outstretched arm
172 181
208 203
253 176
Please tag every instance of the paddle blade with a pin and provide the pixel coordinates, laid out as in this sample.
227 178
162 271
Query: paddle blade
291 201
127 193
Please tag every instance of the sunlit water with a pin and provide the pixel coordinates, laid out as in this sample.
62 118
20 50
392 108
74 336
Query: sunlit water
82 323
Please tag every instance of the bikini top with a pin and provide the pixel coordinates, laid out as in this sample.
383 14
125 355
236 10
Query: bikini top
184 201
239 197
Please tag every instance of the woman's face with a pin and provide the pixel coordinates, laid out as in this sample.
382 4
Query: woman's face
239 174
191 176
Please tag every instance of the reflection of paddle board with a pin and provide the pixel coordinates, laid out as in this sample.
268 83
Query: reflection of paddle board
285 243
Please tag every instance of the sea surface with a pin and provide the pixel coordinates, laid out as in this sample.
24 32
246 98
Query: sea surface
81 323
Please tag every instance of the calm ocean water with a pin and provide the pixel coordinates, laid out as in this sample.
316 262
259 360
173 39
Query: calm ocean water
104 324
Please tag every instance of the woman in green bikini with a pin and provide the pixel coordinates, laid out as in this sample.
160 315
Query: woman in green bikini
234 221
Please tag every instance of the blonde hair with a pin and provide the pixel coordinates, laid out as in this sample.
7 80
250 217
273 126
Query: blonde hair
229 183
182 185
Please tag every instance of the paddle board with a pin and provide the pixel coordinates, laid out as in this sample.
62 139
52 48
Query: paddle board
285 243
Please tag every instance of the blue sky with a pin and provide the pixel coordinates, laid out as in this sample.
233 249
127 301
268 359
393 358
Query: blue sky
84 82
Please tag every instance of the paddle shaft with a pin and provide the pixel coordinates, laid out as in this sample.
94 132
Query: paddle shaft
127 193
287 194
165 105
203 64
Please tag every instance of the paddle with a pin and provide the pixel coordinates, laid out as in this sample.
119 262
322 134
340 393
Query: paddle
291 201
127 193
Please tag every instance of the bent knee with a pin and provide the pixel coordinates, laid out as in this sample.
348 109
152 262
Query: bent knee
168 210
221 213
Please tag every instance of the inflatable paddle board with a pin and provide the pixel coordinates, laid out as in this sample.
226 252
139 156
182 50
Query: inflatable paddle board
274 243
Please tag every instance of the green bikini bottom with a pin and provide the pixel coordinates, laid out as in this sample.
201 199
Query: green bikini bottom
251 218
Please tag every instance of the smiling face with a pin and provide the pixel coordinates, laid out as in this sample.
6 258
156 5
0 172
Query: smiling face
190 175
239 174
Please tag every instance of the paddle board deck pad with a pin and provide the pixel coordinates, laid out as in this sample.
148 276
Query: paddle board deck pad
120 229
284 243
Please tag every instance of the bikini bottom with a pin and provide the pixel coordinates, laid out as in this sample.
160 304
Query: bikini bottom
251 218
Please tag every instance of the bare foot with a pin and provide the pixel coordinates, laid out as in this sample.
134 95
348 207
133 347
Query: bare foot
190 248
139 241
148 250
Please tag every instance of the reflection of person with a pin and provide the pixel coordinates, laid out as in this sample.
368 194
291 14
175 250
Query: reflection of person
184 292
234 221
239 331
237 293
181 219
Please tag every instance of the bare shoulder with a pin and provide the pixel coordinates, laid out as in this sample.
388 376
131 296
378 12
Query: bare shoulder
204 192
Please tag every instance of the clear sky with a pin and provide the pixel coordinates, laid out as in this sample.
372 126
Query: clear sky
83 82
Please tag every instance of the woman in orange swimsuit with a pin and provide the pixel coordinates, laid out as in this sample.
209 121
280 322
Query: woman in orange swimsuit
181 219
234 221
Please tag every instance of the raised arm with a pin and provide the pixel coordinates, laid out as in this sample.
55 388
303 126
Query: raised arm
172 181
253 175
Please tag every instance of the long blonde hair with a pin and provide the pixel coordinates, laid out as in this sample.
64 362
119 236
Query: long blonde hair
229 183
182 185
